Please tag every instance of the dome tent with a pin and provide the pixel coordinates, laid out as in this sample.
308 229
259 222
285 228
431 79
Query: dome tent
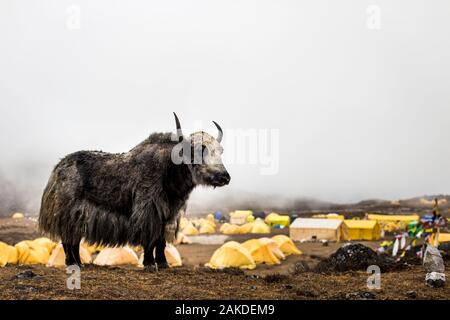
58 256
206 228
116 256
228 228
30 252
190 230
273 246
182 239
286 244
18 215
8 254
231 255
172 255
259 226
260 252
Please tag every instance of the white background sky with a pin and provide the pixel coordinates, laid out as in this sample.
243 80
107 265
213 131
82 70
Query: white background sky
361 113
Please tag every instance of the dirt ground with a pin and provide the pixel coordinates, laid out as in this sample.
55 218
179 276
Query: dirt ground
194 281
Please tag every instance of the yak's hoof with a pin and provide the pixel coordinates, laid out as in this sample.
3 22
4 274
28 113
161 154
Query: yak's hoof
163 265
151 268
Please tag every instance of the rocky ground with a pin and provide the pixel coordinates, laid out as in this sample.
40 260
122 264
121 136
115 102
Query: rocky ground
296 278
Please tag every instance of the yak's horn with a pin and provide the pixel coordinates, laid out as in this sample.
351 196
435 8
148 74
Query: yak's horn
219 137
179 132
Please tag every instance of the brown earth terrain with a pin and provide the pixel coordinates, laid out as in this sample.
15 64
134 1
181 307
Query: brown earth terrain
293 279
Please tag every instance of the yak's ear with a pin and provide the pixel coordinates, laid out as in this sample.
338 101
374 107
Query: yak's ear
178 125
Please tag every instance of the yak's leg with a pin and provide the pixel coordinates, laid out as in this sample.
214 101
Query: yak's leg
76 254
70 259
160 255
149 259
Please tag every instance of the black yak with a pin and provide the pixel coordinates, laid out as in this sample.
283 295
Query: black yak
129 198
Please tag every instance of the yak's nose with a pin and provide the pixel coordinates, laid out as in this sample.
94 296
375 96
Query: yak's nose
223 178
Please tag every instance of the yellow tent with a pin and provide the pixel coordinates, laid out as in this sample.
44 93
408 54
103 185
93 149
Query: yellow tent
390 226
273 246
18 215
260 252
30 252
393 218
443 237
116 256
228 228
190 230
182 239
172 256
246 228
286 244
361 230
231 255
207 228
184 223
335 216
44 242
276 219
58 256
94 248
270 216
239 216
259 226
8 254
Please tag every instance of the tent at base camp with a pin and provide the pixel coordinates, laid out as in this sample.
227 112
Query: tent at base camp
116 256
18 215
172 256
443 237
240 216
258 226
393 218
8 254
286 245
361 230
34 252
58 257
274 219
310 228
231 255
261 252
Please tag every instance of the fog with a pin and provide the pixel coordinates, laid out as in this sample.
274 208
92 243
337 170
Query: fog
360 110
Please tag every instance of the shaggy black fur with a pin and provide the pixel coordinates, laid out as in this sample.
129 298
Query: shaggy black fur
116 199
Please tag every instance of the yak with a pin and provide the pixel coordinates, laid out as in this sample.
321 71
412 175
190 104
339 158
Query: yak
129 198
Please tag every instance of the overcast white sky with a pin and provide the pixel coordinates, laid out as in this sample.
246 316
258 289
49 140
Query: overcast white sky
361 113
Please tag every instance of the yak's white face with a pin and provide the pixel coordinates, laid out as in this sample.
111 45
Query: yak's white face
206 161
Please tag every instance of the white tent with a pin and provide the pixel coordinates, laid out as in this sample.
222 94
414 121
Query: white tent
305 228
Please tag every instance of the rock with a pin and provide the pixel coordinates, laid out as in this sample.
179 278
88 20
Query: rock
289 286
435 279
432 260
360 295
300 267
352 257
27 274
411 294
